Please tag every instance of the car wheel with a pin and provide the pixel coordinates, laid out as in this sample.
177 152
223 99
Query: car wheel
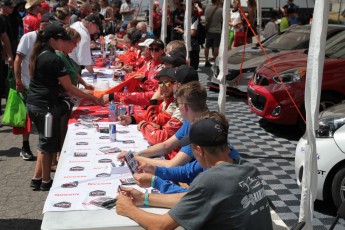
338 188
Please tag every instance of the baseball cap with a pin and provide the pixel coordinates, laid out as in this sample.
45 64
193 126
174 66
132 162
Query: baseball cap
174 58
8 3
185 74
166 72
158 43
47 17
55 31
30 3
206 132
46 6
147 42
135 37
94 19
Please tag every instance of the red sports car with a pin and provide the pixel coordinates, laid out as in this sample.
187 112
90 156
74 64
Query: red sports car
268 98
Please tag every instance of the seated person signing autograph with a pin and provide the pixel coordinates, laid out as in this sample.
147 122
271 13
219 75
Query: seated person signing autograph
191 98
161 121
229 195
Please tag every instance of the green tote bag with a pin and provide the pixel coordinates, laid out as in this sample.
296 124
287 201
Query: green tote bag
15 111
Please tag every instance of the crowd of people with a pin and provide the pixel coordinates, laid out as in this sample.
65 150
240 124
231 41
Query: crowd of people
47 56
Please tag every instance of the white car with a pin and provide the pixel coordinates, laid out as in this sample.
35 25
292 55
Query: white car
330 149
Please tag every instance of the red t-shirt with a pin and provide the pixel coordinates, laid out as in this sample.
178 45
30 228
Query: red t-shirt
31 23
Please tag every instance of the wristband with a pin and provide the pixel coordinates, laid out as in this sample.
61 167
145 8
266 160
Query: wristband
140 154
111 97
153 179
19 83
146 200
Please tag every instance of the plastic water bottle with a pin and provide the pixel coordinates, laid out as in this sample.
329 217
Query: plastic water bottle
111 112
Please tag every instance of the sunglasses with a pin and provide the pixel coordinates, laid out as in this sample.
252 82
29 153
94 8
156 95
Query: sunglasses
167 83
157 49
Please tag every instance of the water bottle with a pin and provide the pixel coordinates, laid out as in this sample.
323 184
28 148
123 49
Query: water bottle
125 89
111 112
48 125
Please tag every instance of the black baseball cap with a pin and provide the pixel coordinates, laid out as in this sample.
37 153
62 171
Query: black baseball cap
8 3
166 72
135 37
48 17
94 19
206 132
185 74
174 58
55 31
158 42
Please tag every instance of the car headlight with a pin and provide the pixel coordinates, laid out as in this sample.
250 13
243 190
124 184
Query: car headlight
328 126
291 76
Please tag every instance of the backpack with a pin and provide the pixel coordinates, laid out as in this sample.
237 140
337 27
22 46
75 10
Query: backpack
201 37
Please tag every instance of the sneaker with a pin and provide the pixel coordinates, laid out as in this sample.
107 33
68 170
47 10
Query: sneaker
46 186
208 64
26 154
36 184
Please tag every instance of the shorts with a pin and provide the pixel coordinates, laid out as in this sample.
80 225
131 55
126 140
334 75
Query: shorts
213 40
37 115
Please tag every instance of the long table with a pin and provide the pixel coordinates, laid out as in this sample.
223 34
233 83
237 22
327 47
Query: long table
61 217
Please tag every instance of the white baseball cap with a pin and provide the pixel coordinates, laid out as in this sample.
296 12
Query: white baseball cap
147 42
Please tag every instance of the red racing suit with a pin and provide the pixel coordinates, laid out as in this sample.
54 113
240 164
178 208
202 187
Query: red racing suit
160 124
146 87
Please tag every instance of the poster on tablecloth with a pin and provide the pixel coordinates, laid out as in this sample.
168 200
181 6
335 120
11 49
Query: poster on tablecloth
84 171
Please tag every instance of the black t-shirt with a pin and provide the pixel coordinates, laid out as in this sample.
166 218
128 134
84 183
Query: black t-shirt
44 85
10 32
2 30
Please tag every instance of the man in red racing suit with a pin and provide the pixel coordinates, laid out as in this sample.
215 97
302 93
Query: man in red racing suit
147 84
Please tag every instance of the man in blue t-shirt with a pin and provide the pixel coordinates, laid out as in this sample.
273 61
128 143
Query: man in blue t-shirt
191 100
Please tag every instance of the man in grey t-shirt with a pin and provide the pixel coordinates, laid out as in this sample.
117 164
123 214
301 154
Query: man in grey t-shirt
127 11
230 195
213 20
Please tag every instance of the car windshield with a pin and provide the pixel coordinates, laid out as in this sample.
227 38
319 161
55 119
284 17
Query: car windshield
335 46
296 38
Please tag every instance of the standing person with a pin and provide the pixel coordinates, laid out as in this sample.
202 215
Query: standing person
21 73
213 22
235 22
108 14
117 16
84 10
229 195
82 53
157 20
127 10
6 9
62 14
47 72
271 27
31 21
195 46
178 20
284 23
289 5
